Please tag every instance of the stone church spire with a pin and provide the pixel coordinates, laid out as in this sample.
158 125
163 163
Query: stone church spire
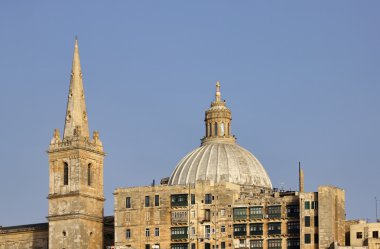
218 121
76 114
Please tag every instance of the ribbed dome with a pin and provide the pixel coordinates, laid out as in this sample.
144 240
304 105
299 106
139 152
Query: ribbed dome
220 159
220 162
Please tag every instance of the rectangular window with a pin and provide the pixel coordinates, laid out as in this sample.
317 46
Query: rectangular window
223 229
147 232
307 238
179 246
192 230
240 230
375 234
292 211
274 212
147 201
316 238
359 235
207 231
222 212
307 221
293 227
256 229
240 213
208 199
274 228
179 233
207 215
156 200
274 243
293 244
314 205
315 221
192 199
128 202
223 245
256 212
147 246
192 245
179 200
307 204
256 244
157 232
128 233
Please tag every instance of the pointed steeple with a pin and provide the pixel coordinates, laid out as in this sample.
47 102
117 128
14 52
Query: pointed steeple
76 115
218 121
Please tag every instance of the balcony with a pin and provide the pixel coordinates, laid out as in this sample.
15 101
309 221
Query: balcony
256 216
240 217
274 216
179 236
260 232
274 232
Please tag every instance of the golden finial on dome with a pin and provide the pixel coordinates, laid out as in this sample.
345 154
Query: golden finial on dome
217 94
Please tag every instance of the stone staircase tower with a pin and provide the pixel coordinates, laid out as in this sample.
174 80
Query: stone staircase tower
76 198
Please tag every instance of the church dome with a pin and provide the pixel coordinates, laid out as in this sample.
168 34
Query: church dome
219 158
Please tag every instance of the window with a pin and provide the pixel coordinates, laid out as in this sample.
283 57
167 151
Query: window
128 202
293 244
307 204
307 238
293 227
222 212
274 243
215 129
147 201
156 232
256 244
179 233
223 245
192 230
223 229
274 212
316 238
192 245
208 198
274 228
375 234
179 200
147 246
240 213
256 229
359 235
315 221
65 174
256 212
207 215
128 233
89 175
314 205
192 199
156 200
240 230
179 246
147 232
207 231
307 221
292 211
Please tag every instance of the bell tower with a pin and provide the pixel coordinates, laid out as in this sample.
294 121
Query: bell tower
76 198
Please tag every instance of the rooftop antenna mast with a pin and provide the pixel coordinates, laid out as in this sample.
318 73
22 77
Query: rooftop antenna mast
376 208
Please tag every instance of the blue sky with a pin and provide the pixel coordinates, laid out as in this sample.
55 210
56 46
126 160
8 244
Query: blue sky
301 79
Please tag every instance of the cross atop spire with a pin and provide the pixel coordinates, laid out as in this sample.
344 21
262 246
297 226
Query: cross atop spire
217 93
76 115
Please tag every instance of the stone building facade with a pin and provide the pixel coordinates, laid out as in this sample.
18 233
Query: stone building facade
220 197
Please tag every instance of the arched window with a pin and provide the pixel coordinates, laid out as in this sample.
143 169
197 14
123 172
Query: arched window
216 129
89 175
65 174
222 129
228 129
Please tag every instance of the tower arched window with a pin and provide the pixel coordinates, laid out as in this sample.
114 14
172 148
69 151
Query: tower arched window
216 129
228 129
222 129
89 174
65 174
